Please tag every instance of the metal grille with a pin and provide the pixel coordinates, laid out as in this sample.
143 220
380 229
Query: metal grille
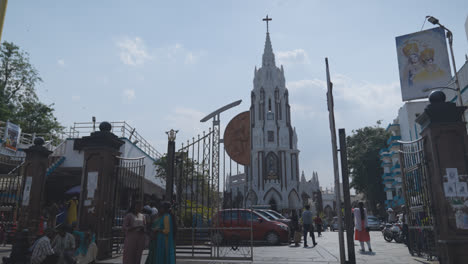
200 236
10 198
130 174
416 187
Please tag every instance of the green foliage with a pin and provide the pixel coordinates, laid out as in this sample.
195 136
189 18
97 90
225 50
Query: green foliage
364 162
18 100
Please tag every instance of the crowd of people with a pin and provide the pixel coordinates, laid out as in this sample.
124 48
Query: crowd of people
64 245
301 228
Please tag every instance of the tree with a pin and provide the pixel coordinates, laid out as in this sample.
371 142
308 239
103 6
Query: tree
18 99
364 146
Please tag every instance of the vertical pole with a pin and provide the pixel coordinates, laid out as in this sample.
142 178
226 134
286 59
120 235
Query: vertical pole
457 82
170 170
347 198
3 7
335 164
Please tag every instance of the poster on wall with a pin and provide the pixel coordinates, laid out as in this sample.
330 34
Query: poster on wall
423 62
27 191
12 135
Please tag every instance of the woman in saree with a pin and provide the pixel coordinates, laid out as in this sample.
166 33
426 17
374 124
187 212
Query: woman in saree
165 229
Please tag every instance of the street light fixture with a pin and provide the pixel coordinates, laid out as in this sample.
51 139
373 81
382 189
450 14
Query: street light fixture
435 21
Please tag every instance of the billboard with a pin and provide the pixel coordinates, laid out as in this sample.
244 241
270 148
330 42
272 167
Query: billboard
423 62
12 135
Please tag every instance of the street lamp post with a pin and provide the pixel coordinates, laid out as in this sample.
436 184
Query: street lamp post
170 164
435 21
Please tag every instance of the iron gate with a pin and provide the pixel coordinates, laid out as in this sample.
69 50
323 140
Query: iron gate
10 198
416 187
130 174
200 233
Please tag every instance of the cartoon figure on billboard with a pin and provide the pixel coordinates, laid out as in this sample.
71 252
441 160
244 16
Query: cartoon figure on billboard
12 134
423 62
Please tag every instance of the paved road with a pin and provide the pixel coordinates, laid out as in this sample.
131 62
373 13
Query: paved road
327 251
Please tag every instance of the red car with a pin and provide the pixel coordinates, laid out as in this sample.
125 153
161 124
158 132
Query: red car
263 229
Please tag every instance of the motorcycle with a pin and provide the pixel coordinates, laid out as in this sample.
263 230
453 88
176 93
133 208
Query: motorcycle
393 232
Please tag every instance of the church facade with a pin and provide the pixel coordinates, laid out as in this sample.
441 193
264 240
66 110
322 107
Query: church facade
273 175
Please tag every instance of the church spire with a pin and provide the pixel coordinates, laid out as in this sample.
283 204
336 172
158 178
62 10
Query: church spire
268 56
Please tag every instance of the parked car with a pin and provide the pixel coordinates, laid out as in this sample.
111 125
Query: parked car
373 223
264 229
274 216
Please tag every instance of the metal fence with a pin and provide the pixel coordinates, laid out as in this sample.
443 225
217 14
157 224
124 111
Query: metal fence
416 187
201 233
130 175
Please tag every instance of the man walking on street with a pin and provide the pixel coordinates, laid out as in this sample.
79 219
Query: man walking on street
308 225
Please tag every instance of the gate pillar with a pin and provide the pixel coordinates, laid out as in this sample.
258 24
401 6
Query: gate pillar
446 147
98 183
35 167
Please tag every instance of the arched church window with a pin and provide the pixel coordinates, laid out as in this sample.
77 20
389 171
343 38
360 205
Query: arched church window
269 104
272 166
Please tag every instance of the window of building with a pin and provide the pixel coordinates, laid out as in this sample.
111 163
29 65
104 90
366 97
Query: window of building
269 104
271 136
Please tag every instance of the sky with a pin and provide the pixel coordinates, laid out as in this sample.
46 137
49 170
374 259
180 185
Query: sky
166 64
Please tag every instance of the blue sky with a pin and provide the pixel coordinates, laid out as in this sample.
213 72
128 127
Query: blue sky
166 64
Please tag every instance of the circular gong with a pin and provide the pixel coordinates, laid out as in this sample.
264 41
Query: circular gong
237 138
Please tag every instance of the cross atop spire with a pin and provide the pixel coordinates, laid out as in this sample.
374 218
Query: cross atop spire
267 19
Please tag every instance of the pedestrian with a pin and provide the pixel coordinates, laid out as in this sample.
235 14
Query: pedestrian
307 225
166 230
87 252
391 216
318 224
20 249
72 210
153 245
42 252
405 221
64 245
362 230
134 227
295 230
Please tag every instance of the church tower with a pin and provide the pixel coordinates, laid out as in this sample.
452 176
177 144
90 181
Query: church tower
273 176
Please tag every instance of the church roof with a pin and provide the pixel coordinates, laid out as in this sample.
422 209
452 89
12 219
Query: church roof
268 55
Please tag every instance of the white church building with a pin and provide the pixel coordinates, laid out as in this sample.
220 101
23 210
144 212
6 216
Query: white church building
273 175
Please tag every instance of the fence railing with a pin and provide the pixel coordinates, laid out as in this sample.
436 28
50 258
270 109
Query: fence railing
119 128
416 188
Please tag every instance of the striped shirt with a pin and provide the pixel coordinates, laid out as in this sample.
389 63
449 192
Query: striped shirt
41 250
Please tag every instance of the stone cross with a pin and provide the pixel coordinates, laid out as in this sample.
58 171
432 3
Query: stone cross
267 19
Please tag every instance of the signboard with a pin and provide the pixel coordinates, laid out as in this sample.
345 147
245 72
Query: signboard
237 138
27 190
12 135
92 183
423 62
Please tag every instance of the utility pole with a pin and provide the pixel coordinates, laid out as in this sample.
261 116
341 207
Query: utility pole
335 163
347 197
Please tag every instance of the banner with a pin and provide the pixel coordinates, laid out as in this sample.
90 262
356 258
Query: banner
12 136
423 62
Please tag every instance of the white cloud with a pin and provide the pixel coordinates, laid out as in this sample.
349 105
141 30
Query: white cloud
186 120
128 95
75 98
133 51
297 56
190 58
61 62
302 85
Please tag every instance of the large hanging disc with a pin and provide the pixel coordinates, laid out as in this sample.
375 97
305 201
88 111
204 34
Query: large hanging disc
237 138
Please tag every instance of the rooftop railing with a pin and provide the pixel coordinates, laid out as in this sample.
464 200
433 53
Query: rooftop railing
121 129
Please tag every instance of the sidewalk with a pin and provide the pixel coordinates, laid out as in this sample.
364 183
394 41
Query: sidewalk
327 251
